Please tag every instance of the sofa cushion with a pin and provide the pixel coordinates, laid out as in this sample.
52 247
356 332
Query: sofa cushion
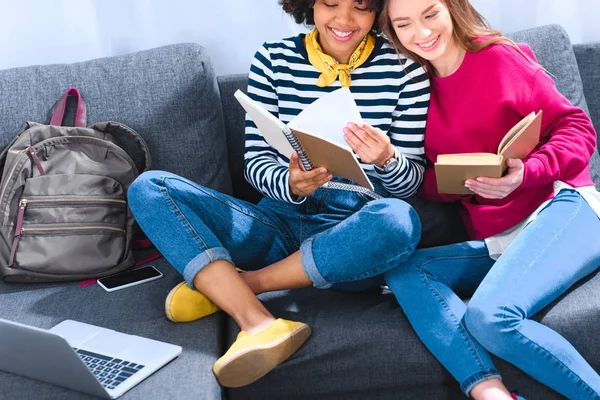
138 310
553 50
588 60
362 346
167 94
235 132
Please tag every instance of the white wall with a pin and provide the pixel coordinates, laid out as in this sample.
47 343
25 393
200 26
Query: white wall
64 31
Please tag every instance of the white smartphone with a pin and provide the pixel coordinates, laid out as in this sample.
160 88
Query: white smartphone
130 278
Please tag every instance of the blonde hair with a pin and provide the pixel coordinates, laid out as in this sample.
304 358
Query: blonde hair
468 26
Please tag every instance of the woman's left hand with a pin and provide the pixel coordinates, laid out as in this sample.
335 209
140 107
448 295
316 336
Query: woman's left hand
370 144
499 188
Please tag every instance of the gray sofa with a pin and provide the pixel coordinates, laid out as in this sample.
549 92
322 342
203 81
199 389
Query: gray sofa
362 346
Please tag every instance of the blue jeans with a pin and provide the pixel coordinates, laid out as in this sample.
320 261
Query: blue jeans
342 235
557 249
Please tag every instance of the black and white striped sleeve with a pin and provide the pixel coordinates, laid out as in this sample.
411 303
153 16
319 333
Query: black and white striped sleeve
261 167
407 133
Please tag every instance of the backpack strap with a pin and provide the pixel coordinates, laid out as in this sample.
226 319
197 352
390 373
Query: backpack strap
59 110
117 128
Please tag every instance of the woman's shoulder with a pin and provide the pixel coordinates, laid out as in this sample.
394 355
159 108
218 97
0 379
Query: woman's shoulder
506 56
385 53
291 43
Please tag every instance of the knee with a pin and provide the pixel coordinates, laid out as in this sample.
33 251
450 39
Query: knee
143 190
406 276
396 222
488 322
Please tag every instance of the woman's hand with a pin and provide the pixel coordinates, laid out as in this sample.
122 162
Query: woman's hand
304 183
499 188
370 144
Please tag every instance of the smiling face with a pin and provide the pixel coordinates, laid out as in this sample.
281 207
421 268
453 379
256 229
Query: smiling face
342 25
425 28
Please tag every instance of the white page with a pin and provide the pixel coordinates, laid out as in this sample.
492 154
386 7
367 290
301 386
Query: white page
326 117
269 126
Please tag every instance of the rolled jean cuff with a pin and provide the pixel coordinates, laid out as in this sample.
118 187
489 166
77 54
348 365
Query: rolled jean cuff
202 260
309 266
468 384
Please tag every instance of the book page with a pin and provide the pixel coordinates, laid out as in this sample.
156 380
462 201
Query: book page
269 126
514 130
468 159
524 140
326 117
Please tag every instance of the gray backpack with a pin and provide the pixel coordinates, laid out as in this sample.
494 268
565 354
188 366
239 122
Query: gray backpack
63 199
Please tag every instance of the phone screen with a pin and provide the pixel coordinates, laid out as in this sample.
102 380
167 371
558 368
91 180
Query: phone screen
127 277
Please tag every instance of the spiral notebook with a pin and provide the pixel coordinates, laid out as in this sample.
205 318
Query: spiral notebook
315 134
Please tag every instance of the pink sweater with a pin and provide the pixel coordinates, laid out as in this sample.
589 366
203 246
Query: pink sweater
472 109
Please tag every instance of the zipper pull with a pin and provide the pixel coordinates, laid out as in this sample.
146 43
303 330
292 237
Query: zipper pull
22 205
18 231
36 160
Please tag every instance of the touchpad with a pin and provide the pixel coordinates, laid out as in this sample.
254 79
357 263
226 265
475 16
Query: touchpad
109 343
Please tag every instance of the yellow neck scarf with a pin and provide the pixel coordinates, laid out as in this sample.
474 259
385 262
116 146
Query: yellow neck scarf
329 67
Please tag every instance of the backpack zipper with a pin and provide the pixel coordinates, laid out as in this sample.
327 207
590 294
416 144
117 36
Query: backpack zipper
68 201
106 143
19 230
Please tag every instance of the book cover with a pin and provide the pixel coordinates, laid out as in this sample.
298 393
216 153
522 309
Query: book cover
316 133
452 170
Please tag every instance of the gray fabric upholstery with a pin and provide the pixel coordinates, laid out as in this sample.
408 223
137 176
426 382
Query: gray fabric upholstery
363 347
553 50
234 131
137 310
588 60
166 94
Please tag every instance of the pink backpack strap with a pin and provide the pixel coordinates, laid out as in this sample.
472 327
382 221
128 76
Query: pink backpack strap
61 104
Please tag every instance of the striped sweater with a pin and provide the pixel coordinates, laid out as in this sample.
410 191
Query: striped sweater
391 94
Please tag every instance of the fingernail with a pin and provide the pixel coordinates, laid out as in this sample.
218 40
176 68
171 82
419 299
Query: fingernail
479 179
322 170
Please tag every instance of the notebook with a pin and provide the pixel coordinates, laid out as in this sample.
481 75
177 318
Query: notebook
316 134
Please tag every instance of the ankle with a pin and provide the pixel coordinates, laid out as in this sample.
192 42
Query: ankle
260 327
253 317
254 282
256 323
491 389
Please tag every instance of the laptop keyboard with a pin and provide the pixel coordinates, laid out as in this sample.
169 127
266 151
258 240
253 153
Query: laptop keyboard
111 372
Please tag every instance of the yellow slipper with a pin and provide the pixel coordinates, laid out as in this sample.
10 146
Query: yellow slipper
184 304
252 356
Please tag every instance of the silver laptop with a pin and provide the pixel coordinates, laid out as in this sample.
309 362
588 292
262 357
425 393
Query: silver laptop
82 357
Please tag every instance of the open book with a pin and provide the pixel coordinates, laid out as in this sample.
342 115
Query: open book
315 134
452 170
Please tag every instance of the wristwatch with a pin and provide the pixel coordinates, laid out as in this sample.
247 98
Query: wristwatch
390 164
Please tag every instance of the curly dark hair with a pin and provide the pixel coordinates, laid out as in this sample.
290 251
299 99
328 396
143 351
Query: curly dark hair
303 13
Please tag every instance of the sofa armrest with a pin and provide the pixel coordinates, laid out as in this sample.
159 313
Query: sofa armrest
588 60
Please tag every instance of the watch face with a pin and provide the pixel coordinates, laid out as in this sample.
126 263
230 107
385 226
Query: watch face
390 165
